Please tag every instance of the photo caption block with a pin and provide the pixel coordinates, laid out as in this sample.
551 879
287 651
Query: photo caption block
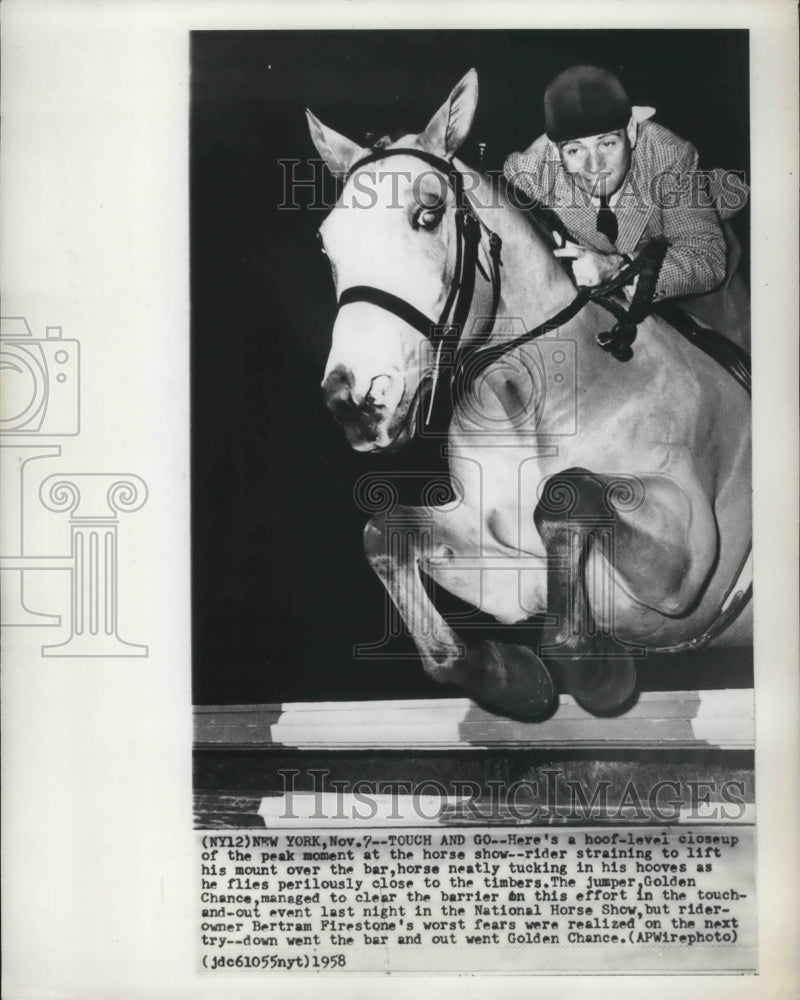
516 900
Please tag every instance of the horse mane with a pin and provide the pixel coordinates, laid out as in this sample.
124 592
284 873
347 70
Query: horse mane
543 219
376 141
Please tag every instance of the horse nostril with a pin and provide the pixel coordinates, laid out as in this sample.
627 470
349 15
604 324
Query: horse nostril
337 385
337 393
378 389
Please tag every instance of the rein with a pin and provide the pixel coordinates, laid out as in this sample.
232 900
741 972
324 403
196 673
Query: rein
456 367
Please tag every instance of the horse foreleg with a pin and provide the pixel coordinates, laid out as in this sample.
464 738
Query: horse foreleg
505 678
645 535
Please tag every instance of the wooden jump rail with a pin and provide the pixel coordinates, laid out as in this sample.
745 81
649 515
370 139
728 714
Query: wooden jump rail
722 719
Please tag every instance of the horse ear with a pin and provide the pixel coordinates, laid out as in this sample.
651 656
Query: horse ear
339 152
450 126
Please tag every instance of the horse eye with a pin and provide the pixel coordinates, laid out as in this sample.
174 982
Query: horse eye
321 244
429 218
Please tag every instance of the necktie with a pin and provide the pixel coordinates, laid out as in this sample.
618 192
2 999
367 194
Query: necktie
606 220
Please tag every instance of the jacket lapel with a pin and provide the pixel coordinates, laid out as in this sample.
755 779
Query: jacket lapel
632 210
578 214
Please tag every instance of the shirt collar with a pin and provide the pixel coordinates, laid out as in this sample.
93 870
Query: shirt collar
612 201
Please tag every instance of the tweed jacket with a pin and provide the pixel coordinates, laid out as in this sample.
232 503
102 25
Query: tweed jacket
662 194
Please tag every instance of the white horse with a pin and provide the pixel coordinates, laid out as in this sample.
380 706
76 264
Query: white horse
614 497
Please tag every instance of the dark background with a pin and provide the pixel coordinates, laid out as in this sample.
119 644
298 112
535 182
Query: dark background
281 589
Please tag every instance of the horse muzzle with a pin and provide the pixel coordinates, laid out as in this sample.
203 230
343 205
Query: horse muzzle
370 423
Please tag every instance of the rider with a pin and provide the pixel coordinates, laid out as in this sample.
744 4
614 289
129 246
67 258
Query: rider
615 179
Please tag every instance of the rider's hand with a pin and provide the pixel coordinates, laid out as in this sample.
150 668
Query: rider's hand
590 267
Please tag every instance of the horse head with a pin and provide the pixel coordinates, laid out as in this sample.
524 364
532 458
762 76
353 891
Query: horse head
393 229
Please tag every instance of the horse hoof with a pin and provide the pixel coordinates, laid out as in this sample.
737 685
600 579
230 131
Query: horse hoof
600 684
510 680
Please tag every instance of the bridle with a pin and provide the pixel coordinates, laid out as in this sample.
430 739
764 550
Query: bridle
445 332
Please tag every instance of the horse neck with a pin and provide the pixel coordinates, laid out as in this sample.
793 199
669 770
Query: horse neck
534 286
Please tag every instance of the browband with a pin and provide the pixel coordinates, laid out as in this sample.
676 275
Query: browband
447 166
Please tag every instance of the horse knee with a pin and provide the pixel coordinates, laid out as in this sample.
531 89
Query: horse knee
375 537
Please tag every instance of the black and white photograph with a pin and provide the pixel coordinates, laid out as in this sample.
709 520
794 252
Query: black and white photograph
400 510
474 478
